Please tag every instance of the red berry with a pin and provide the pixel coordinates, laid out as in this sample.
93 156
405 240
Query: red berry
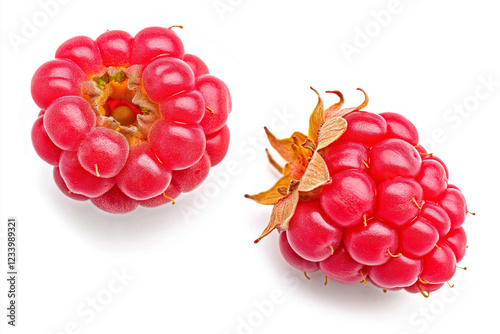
341 267
453 202
432 178
394 157
293 258
197 65
166 197
438 218
56 78
400 127
103 152
442 164
349 197
143 176
365 128
155 41
429 156
439 265
398 200
402 220
310 234
44 147
78 180
115 47
346 155
399 272
178 146
64 188
217 101
165 77
217 145
457 240
420 287
371 245
114 201
368 279
190 178
129 110
185 108
419 238
83 51
68 120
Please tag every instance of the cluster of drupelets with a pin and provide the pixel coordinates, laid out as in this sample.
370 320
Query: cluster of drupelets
388 216
129 121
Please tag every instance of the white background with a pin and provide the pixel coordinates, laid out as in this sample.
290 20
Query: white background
195 268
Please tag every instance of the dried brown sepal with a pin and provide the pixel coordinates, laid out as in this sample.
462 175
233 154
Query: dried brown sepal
147 119
283 191
316 174
285 147
311 195
336 107
331 130
305 173
317 118
283 211
343 112
271 196
309 144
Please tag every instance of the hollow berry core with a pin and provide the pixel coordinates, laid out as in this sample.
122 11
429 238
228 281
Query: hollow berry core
121 103
120 114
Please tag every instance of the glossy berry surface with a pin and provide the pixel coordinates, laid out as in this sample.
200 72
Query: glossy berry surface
384 212
129 121
311 234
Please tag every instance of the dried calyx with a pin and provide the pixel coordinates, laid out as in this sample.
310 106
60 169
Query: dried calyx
305 172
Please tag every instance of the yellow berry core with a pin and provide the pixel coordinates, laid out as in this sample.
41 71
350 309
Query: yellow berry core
124 115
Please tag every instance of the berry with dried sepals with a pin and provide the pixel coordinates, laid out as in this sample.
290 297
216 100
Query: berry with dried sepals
365 175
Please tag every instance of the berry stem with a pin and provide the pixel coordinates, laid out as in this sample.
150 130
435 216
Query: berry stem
331 247
418 206
170 198
450 285
326 280
422 292
210 109
97 171
397 255
362 275
308 278
464 268
421 280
